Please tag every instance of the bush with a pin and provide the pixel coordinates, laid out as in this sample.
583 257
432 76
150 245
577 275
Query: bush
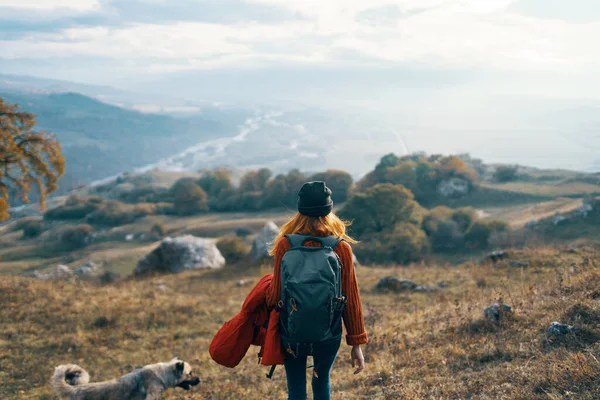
479 235
464 218
255 181
75 208
380 209
31 227
233 249
215 182
76 237
447 237
405 244
188 198
115 213
159 229
506 173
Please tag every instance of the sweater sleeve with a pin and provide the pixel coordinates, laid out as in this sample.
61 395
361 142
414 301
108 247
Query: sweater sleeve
274 291
353 313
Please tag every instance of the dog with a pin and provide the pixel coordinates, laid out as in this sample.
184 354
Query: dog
71 382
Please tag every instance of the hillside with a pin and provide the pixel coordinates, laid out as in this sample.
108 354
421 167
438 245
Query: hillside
101 140
422 345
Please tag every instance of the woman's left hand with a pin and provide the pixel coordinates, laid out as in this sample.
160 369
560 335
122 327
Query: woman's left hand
358 360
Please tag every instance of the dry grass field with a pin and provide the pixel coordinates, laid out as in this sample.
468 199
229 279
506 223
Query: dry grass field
422 345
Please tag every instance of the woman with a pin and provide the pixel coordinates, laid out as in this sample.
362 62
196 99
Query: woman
315 218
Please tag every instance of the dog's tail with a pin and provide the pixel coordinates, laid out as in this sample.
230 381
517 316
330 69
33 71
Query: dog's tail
68 375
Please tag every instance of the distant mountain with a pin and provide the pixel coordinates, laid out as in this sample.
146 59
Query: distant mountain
101 140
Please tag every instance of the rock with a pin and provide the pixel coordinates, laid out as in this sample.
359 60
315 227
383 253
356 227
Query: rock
180 254
496 256
59 273
584 210
394 284
454 187
531 224
108 277
242 283
496 311
443 285
558 329
425 289
87 270
557 219
519 264
262 243
129 237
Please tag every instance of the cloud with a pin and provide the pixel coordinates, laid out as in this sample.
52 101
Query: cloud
78 5
157 36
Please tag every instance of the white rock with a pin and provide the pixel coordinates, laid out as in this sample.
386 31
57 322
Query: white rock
180 254
263 242
453 187
60 273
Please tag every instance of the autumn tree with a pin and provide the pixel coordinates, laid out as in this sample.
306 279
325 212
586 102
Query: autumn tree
379 209
28 158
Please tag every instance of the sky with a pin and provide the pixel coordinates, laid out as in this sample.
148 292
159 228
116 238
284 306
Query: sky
420 61
111 41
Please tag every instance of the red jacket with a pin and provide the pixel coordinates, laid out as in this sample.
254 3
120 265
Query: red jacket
254 325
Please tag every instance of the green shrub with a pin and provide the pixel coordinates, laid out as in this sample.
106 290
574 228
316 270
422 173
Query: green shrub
434 216
405 244
214 183
506 173
75 208
233 249
146 193
32 228
480 233
76 237
115 213
188 198
380 209
464 218
447 237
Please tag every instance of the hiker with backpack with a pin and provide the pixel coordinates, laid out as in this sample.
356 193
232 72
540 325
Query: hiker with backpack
314 288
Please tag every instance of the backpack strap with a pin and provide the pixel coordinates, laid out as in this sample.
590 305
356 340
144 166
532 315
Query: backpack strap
326 241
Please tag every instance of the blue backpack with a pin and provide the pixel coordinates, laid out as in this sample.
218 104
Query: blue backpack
312 301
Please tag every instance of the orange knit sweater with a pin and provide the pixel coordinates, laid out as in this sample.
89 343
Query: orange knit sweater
353 315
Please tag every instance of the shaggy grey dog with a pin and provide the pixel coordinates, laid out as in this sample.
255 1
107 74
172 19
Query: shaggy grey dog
71 382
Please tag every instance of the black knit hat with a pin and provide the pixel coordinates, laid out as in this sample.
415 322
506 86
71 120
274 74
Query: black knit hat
314 199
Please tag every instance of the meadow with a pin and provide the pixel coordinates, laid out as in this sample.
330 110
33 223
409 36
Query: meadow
422 345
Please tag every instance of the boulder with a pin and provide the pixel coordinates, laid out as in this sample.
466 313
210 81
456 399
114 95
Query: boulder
583 210
496 256
454 187
531 224
557 219
496 311
180 254
519 264
88 270
558 329
59 273
393 284
425 289
263 241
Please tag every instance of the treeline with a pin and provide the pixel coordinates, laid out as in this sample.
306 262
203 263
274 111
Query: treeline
257 190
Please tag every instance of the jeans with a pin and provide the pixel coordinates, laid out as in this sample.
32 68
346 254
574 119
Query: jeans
295 371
